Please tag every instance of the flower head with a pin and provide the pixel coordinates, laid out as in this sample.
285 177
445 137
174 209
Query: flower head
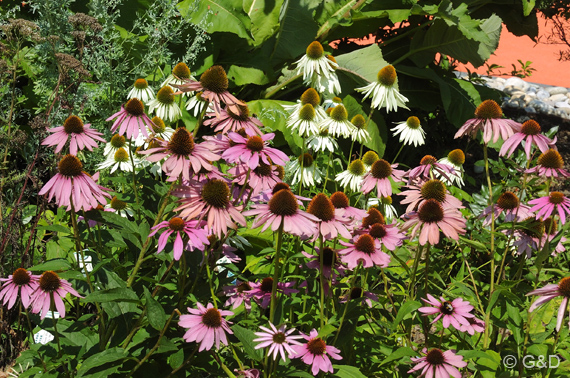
550 164
410 132
228 121
261 291
359 132
51 290
329 225
364 250
197 236
551 291
21 282
381 172
279 340
353 175
429 164
141 90
322 142
80 136
164 104
316 352
530 134
131 119
342 206
436 363
253 150
179 75
384 91
453 313
454 160
315 62
509 203
206 325
545 206
432 217
337 122
238 294
304 170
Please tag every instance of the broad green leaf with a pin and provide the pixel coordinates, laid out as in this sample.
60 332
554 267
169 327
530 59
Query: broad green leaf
247 75
154 311
55 264
333 12
407 308
54 250
118 294
398 354
246 337
264 16
176 359
347 371
217 15
528 6
326 330
56 228
102 364
366 62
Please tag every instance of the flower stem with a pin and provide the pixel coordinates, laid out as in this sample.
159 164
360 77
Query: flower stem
426 271
347 302
276 272
491 248
414 270
321 282
327 174
209 273
398 154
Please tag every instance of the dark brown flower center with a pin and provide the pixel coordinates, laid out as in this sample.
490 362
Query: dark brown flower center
369 158
141 84
551 159
117 204
283 203
564 287
329 257
340 200
457 157
212 318
118 141
387 76
306 160
181 70
181 143
310 96
381 169
556 198
430 211
488 109
267 285
373 216
446 308
280 171
279 186
279 338
428 160
263 170
378 231
244 286
317 346
550 226
339 113
49 281
413 122
21 277
216 193
215 80
307 112
321 207
433 189
73 125
255 143
243 113
530 127
365 243
70 166
158 125
357 168
358 121
435 357
135 107
315 50
533 227
355 293
508 201
176 224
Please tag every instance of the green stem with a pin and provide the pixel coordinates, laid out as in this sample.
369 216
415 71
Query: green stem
280 86
398 154
351 285
327 174
426 271
417 258
321 281
55 332
276 272
492 247
209 273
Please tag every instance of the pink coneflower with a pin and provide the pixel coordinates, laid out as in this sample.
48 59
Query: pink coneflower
197 237
214 86
356 293
238 294
210 200
262 178
21 282
550 164
283 209
379 176
185 157
342 207
489 119
423 172
386 235
249 373
509 203
132 119
206 325
330 225
331 262
453 313
436 363
51 289
552 291
364 250
316 353
530 134
252 150
546 205
80 136
431 218
261 291
431 189
71 183
230 121
475 325
278 340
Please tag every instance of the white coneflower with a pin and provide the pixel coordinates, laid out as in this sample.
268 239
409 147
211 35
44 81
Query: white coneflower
304 170
304 121
384 91
141 90
120 160
116 142
315 62
196 104
352 177
331 102
326 83
385 206
359 133
164 105
180 75
455 160
159 129
120 207
322 141
337 122
310 96
411 132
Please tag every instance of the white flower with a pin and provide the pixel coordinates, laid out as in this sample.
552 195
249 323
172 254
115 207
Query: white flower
411 132
196 105
384 91
120 160
352 177
141 90
179 76
331 102
307 174
385 206
322 142
456 177
120 207
337 123
164 105
117 141
304 121
315 62
359 133
325 84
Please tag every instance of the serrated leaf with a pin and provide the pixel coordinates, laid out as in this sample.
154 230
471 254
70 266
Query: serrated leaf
246 337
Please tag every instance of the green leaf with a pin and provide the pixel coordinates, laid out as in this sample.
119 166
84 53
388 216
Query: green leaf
264 15
118 294
55 264
102 364
326 330
528 6
475 244
366 62
347 371
217 16
56 228
246 337
405 309
176 359
154 311
247 75
398 354
54 250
